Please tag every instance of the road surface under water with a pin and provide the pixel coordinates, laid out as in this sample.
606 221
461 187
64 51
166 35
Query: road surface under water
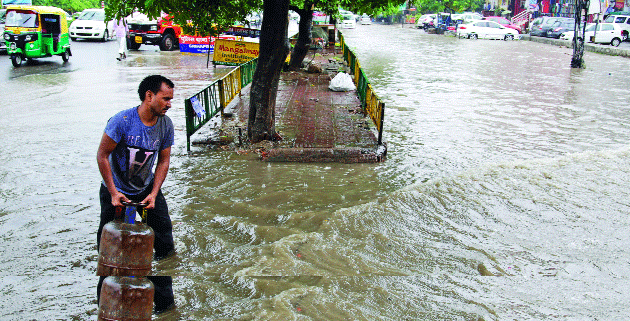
504 195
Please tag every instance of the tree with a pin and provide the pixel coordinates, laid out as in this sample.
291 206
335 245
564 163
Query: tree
440 5
274 48
69 5
305 9
303 43
207 17
212 16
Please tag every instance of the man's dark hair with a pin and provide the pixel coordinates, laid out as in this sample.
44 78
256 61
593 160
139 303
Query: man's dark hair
153 83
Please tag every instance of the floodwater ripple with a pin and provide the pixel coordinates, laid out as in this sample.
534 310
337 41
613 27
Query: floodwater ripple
503 195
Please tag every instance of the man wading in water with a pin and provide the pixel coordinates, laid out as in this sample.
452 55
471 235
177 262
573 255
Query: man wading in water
133 140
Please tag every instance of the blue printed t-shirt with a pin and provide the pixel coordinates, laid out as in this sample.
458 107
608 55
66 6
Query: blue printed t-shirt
137 149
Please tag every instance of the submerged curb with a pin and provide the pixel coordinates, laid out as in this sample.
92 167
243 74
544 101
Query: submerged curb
326 155
315 124
602 49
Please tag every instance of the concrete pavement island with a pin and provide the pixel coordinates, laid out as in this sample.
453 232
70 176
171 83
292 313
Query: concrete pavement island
315 123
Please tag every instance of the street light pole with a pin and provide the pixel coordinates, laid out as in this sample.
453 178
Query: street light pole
577 61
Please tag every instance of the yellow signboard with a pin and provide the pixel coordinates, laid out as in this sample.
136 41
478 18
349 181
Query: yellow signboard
232 52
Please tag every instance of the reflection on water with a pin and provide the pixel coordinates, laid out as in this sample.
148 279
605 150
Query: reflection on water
501 160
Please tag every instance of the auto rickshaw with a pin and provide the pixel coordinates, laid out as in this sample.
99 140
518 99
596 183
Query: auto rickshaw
36 32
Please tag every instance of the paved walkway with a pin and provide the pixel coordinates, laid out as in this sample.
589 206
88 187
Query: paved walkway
315 123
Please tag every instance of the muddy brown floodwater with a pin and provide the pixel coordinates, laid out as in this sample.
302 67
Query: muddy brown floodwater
504 195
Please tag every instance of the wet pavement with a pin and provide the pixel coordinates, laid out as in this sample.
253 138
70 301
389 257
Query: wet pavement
316 124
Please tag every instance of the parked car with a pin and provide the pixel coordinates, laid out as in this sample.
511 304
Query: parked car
541 25
607 33
504 22
623 21
486 30
91 25
534 26
470 17
347 21
548 26
365 19
560 26
568 35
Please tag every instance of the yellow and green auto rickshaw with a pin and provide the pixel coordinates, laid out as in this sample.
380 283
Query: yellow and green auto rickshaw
36 32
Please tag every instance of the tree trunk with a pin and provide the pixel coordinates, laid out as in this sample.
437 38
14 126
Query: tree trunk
274 47
303 44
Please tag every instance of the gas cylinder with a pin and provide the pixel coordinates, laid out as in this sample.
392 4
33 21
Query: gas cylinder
126 298
125 249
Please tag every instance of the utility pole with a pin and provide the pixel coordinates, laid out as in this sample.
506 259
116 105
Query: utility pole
580 16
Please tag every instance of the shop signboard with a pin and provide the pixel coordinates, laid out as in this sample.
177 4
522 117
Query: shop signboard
233 52
199 44
319 18
244 32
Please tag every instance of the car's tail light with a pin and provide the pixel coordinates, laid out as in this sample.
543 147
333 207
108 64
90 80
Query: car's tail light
557 29
462 27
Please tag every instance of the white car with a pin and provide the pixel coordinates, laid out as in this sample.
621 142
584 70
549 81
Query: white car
470 17
607 33
486 29
622 21
365 19
347 22
91 25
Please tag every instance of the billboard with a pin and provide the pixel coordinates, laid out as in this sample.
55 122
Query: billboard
199 45
232 52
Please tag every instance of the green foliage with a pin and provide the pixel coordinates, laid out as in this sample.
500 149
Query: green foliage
424 6
69 5
207 17
373 7
497 11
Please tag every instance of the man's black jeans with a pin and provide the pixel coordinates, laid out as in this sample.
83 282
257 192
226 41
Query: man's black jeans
163 297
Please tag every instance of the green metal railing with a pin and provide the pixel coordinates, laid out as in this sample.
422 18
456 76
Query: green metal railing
212 100
370 102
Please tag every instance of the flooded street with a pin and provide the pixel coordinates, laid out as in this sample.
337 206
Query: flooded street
505 194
